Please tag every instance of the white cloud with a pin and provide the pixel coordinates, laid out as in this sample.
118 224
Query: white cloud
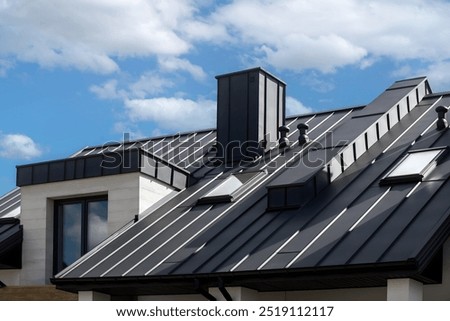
438 74
88 35
286 34
294 35
295 107
171 64
317 83
4 66
315 53
18 146
149 83
173 113
108 90
326 35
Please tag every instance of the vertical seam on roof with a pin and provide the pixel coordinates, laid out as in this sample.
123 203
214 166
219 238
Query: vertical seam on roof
411 126
9 199
179 143
188 147
296 142
370 209
424 113
316 238
162 244
89 254
147 227
403 231
3 212
230 241
202 153
278 250
240 262
297 154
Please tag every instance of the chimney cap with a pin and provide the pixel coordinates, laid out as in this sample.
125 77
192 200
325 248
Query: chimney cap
442 109
302 126
441 122
256 69
283 129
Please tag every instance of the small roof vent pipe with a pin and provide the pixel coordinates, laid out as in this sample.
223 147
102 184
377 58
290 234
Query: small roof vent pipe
303 129
441 123
283 142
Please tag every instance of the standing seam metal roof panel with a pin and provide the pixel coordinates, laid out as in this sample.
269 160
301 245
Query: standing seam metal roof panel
243 236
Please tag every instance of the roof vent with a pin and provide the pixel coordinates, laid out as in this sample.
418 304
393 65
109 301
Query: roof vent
303 129
441 122
283 142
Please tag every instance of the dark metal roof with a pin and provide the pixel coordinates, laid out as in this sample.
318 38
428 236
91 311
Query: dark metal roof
11 236
184 150
170 159
10 203
349 232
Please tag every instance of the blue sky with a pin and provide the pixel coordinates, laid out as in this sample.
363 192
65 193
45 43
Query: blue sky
84 72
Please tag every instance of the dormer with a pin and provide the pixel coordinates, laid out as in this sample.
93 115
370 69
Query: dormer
301 182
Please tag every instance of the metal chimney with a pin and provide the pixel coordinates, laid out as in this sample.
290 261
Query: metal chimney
250 108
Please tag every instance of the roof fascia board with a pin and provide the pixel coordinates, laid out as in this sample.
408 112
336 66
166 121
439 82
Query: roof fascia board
378 273
107 163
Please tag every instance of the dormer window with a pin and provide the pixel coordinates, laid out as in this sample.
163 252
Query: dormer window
80 225
414 166
231 187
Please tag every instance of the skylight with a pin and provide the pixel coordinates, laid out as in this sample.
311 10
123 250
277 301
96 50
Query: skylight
414 166
229 188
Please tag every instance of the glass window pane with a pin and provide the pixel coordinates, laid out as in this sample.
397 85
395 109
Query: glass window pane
414 163
228 186
71 233
97 223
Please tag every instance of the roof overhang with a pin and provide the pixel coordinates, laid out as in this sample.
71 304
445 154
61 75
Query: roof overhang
11 237
104 164
262 281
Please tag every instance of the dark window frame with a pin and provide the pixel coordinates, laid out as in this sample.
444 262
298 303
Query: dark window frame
414 177
58 247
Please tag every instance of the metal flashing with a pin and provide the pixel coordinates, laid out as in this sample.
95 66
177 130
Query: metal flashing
108 163
250 70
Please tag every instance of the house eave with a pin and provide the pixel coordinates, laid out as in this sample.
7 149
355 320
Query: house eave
323 278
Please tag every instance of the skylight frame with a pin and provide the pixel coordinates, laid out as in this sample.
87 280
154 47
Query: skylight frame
230 193
415 175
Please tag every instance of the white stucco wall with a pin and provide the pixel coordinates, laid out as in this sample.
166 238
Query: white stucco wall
128 195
